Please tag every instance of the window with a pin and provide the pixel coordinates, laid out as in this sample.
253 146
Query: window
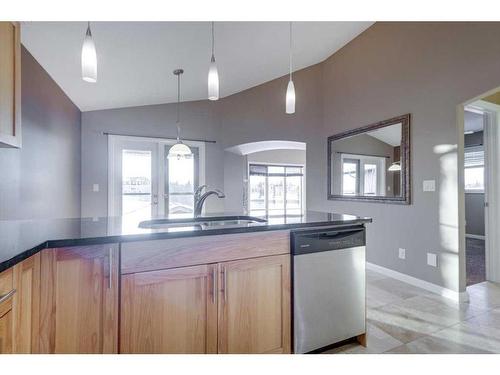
370 179
275 190
136 185
474 170
350 177
180 184
143 182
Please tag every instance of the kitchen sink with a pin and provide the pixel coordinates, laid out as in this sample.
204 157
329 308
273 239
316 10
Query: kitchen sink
201 222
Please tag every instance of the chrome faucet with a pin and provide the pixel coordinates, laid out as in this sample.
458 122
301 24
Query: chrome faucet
199 199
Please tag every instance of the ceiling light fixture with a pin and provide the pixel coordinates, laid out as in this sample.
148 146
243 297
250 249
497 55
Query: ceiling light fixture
179 150
290 90
89 57
395 167
213 75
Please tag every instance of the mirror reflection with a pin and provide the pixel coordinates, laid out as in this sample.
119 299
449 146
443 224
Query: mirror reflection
369 162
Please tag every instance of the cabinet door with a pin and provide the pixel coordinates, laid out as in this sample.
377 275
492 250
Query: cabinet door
7 293
79 300
26 305
170 311
254 305
10 84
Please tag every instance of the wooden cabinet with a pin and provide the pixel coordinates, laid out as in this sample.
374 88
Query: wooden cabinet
79 300
26 305
7 293
10 84
170 311
19 293
232 307
254 306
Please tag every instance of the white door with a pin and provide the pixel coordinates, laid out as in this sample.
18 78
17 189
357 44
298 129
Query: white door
134 178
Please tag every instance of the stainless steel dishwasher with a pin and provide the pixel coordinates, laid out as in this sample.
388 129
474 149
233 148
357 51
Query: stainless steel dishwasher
328 286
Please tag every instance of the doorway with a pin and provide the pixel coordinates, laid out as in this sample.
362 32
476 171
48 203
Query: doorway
143 182
482 188
474 189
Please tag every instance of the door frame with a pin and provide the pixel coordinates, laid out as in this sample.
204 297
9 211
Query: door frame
491 145
161 143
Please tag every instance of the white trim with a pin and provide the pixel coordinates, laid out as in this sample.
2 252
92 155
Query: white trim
434 288
476 236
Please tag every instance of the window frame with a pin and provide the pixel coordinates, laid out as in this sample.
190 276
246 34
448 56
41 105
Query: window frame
473 149
265 211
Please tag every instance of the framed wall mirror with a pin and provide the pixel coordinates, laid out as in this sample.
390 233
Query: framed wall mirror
371 163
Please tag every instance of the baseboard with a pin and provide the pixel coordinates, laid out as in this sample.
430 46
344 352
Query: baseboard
476 236
434 288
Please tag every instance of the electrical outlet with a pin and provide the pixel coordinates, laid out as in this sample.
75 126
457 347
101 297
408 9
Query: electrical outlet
402 253
432 259
95 188
429 185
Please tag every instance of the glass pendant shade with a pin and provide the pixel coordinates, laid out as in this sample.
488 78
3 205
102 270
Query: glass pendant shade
396 166
89 58
179 150
213 81
290 98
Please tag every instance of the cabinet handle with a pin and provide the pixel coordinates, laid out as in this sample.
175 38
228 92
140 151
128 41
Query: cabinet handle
5 297
224 278
214 277
110 283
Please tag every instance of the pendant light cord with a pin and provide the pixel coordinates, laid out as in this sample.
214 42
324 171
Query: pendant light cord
178 107
213 40
290 51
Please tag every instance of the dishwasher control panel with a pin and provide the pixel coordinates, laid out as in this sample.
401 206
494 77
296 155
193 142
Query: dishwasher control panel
306 242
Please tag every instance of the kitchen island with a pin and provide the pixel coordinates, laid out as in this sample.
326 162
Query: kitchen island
108 285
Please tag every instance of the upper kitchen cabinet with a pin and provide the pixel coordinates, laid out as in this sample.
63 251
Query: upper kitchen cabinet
10 84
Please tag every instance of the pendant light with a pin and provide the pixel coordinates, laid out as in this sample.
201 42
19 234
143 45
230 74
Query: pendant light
290 90
89 57
179 150
213 75
396 166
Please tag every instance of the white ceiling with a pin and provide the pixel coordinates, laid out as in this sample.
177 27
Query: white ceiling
389 134
136 59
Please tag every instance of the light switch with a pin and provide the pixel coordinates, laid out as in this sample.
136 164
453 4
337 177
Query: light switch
432 260
95 188
429 185
402 253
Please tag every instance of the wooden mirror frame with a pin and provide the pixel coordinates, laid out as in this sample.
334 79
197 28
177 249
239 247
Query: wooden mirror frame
405 198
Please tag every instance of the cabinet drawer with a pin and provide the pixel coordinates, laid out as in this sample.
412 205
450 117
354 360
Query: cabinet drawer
6 282
190 251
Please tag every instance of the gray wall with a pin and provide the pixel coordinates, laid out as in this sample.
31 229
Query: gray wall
474 202
258 114
278 157
425 69
42 179
199 121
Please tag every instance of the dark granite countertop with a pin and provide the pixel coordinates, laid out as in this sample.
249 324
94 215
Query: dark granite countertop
20 239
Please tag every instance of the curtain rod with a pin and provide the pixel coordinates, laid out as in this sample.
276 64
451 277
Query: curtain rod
169 138
350 153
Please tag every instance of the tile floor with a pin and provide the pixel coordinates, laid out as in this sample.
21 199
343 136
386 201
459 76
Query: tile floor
402 318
